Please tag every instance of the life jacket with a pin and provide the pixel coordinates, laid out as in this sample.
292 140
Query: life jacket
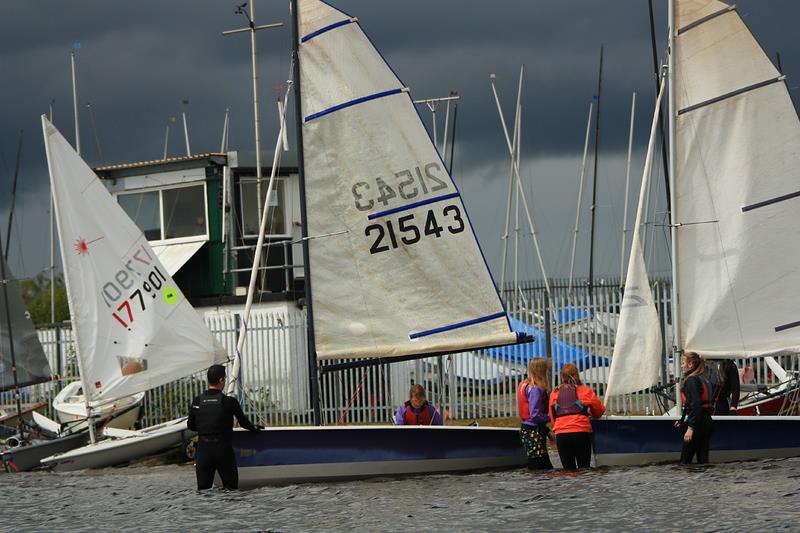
522 401
705 396
423 418
568 404
209 414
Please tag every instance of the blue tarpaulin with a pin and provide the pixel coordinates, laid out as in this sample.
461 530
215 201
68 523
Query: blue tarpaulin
563 352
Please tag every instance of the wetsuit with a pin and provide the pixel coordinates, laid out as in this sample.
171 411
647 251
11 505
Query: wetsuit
211 416
728 394
696 395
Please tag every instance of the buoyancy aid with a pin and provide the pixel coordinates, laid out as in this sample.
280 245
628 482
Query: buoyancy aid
705 397
423 418
210 414
522 401
568 403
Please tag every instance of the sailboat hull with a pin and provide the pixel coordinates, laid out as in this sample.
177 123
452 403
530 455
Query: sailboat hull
638 440
110 452
308 454
25 458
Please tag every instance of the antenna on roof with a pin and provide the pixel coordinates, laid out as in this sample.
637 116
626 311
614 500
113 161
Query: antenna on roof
166 135
185 127
223 146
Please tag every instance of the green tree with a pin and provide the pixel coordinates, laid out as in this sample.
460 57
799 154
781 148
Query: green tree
36 295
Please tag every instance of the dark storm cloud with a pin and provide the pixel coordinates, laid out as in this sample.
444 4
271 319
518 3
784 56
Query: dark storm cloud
138 60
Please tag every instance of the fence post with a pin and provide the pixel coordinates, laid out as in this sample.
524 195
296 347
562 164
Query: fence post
548 330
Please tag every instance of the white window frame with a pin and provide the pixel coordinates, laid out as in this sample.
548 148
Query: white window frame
177 240
286 208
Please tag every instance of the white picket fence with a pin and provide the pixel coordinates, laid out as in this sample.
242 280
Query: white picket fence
466 386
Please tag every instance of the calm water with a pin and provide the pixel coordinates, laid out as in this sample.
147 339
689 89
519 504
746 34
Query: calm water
746 496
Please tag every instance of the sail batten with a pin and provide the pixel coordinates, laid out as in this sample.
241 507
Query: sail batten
134 329
406 260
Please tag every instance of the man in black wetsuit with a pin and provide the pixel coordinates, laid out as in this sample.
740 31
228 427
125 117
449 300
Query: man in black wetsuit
211 416
726 395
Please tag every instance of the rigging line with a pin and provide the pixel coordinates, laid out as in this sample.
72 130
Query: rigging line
353 398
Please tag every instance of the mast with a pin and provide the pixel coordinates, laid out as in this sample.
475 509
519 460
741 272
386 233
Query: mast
4 281
298 107
75 98
13 196
676 319
656 78
594 180
627 187
580 199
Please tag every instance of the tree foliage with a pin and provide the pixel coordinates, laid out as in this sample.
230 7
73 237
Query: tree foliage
36 295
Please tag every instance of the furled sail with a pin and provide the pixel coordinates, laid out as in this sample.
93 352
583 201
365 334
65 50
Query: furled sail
133 327
636 362
394 263
32 365
737 141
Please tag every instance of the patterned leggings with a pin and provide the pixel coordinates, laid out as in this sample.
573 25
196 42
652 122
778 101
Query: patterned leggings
534 440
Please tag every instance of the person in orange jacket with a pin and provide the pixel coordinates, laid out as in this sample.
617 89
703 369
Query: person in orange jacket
571 405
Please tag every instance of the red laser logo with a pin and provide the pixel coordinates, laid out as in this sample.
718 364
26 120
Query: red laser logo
82 246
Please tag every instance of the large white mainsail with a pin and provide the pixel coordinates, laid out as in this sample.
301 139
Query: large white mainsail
636 362
31 363
395 266
133 327
737 143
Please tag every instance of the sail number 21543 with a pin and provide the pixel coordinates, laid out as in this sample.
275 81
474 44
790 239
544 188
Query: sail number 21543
410 230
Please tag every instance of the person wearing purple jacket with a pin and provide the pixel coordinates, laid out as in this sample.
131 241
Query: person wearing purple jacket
417 411
532 401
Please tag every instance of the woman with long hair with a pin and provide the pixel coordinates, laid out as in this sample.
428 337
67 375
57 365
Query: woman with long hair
697 406
571 405
532 405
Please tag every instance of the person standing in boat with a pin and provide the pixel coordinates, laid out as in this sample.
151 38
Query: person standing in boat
211 416
697 406
571 405
417 411
532 402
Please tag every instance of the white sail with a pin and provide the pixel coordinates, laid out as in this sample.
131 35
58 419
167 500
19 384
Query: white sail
636 362
31 363
394 264
133 327
737 142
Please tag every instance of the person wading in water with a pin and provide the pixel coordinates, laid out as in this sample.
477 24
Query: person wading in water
211 416
532 397
697 406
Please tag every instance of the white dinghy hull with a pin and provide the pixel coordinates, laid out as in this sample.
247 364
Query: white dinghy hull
114 451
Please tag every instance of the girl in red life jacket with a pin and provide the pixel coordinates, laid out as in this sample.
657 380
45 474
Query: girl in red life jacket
697 405
571 404
532 403
417 411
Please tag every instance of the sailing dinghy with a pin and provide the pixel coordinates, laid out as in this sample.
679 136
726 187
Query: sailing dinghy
134 329
735 142
396 268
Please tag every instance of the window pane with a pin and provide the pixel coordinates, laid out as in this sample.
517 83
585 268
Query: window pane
184 212
143 209
276 216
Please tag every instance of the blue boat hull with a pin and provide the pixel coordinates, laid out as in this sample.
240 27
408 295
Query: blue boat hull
307 454
636 440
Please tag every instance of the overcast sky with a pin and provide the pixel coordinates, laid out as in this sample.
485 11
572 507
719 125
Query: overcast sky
138 60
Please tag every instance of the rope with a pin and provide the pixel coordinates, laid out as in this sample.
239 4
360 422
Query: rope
352 399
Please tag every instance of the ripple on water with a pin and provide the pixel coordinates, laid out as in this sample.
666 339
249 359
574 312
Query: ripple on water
755 495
